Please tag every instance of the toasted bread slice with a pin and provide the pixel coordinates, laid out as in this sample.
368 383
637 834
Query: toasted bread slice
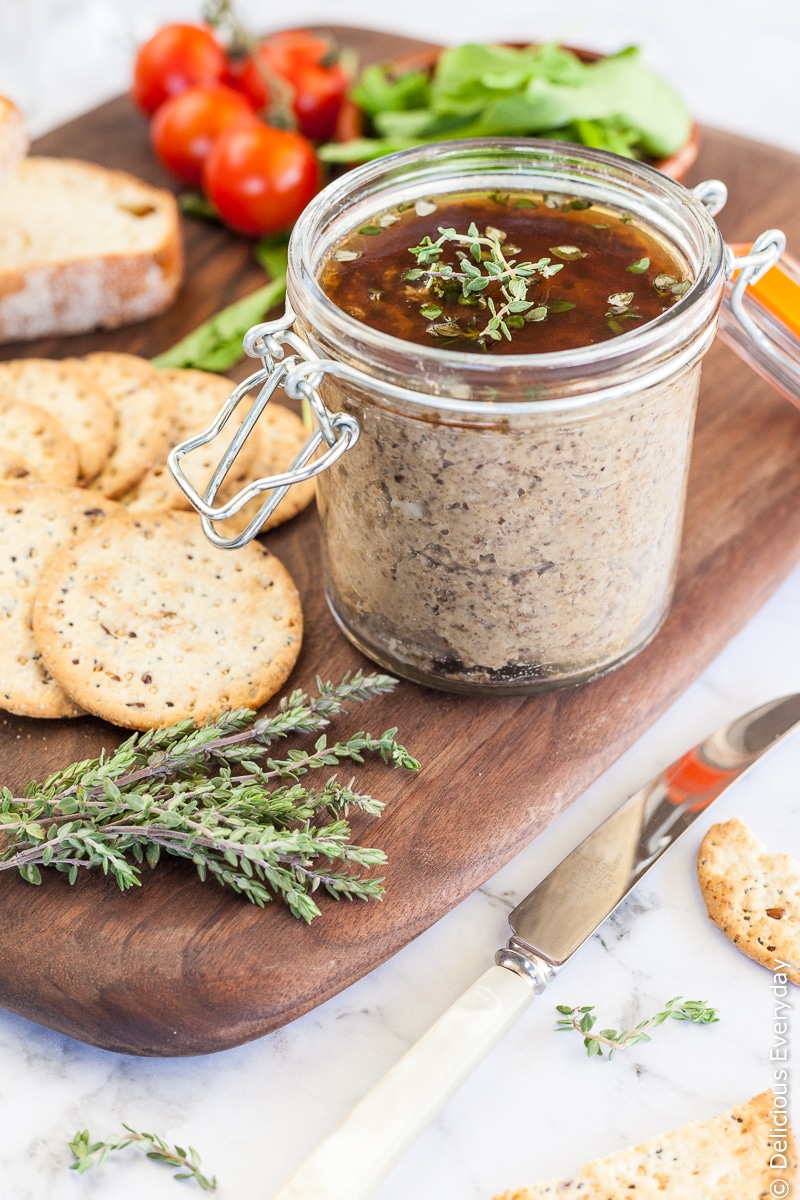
82 248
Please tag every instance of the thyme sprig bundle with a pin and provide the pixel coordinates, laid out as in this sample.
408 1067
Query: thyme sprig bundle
216 797
482 262
581 1020
88 1154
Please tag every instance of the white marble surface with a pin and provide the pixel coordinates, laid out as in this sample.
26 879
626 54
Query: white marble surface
537 1107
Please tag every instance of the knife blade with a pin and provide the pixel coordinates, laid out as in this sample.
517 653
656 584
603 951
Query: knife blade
549 926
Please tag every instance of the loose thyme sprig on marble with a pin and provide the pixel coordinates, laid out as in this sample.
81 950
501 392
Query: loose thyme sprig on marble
581 1020
88 1154
482 261
214 796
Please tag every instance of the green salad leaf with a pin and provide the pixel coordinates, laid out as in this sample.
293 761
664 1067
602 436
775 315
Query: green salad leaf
614 104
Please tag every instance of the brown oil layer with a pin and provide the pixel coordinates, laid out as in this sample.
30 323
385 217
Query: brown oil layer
615 277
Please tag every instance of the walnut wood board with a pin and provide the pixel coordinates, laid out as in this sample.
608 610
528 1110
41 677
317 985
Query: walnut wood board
178 967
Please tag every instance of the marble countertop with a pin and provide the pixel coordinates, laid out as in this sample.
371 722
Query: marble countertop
537 1107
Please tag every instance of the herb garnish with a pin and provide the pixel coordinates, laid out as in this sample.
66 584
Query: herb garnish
481 263
203 795
581 1020
88 1154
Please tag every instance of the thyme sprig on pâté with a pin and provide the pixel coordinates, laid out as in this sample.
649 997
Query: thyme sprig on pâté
482 263
216 797
88 1154
581 1020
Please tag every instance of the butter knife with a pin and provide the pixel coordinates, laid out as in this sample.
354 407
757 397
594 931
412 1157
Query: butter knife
549 925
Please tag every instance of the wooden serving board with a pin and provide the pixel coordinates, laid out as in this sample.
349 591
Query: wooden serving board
179 967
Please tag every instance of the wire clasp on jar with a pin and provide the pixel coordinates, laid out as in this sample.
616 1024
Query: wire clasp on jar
338 431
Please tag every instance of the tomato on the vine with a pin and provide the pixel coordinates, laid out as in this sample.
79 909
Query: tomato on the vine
317 86
177 57
185 127
259 178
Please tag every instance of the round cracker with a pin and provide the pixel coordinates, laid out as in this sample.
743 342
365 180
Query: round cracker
751 895
36 521
199 395
278 437
145 622
144 408
66 389
14 469
40 440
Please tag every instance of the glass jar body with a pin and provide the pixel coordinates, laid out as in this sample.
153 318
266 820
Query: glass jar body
476 539
516 556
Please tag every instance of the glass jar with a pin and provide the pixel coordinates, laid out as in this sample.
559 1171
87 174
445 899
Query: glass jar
494 524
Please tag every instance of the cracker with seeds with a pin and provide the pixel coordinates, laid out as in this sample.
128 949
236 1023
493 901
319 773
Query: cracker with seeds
278 437
144 409
144 622
751 895
35 436
199 395
36 521
14 469
726 1158
66 389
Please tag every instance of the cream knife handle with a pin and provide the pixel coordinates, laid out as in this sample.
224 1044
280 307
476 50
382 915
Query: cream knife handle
350 1163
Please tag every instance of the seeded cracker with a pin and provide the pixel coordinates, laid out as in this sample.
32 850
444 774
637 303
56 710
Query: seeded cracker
199 395
751 895
65 389
35 436
144 407
726 1158
36 521
278 438
144 622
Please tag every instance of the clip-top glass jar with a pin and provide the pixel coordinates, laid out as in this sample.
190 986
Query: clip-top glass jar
492 524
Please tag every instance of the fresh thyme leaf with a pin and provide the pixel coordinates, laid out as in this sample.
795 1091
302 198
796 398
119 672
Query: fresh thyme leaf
639 267
88 1154
559 306
215 796
581 1020
431 311
680 288
370 230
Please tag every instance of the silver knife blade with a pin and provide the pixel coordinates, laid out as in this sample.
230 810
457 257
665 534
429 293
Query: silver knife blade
576 897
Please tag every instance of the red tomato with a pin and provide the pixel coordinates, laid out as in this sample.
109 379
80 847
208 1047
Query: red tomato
317 87
176 58
185 127
260 179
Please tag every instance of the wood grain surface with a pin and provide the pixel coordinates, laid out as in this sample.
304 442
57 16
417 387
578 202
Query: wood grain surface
179 967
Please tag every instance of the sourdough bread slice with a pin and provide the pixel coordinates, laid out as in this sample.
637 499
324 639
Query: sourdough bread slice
726 1158
82 247
13 137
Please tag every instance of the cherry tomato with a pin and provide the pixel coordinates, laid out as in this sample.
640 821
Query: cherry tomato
174 59
317 88
259 178
185 127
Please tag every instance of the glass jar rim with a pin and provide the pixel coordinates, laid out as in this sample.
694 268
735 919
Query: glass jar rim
422 375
